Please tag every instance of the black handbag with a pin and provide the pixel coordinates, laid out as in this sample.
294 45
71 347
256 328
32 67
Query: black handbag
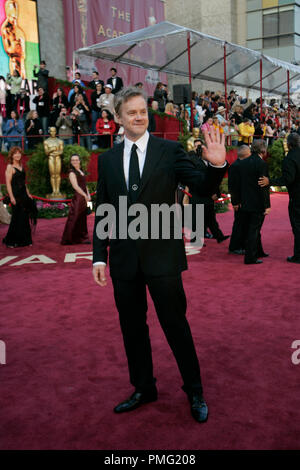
6 200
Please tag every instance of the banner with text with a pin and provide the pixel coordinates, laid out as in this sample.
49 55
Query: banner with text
89 22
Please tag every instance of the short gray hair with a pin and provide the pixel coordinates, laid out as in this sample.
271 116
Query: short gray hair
259 146
241 151
126 94
293 140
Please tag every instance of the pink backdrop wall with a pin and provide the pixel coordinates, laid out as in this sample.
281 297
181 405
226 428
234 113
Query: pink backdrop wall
89 22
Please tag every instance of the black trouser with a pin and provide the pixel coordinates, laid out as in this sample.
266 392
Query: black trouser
253 223
294 213
238 235
210 221
170 303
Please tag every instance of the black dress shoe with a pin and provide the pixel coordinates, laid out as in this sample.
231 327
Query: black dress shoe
263 255
292 259
258 261
220 240
137 399
199 408
237 252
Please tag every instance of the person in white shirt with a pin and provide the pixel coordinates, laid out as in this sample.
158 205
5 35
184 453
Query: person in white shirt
106 101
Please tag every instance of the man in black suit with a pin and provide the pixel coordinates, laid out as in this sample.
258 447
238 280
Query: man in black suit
146 170
96 79
253 200
115 82
291 179
210 220
238 235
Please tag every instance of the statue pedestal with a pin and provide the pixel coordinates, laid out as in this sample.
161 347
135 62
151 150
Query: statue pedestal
56 197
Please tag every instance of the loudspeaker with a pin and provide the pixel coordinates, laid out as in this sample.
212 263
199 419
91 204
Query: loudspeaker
182 94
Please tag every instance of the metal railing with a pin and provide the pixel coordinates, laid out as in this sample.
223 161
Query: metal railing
25 142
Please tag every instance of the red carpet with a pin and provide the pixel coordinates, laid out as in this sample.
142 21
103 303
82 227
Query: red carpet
66 370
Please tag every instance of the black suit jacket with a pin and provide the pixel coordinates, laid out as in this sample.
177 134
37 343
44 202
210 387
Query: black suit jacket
251 196
119 84
234 182
200 195
290 175
166 164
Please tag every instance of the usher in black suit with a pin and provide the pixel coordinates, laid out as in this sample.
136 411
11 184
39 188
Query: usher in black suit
238 235
199 197
254 201
291 179
155 263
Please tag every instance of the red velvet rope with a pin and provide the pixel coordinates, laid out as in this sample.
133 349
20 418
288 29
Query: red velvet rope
222 199
50 200
218 201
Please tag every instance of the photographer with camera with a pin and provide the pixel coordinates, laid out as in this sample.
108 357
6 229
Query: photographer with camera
233 132
80 127
65 127
33 128
23 103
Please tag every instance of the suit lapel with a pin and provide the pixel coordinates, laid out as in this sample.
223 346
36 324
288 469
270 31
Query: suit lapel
153 155
119 166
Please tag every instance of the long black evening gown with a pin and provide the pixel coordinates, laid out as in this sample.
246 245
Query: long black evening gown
19 231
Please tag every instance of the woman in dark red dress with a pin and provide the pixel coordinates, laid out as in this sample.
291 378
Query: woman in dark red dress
76 226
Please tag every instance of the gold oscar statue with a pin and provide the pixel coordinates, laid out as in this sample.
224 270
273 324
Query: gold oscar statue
82 8
13 38
54 148
191 140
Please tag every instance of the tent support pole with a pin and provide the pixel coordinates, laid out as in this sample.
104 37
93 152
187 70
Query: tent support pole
289 102
73 65
261 90
225 80
190 77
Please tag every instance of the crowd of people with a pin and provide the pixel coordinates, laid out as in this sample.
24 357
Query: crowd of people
89 118
240 120
80 117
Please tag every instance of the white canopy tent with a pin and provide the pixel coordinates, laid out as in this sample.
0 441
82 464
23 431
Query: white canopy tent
174 49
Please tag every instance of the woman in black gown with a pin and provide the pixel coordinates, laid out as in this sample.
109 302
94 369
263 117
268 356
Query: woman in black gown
23 207
76 226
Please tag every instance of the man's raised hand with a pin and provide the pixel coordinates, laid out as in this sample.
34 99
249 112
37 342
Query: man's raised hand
214 151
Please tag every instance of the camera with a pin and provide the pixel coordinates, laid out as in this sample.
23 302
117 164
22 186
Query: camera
199 150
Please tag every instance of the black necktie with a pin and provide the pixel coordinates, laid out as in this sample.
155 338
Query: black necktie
134 175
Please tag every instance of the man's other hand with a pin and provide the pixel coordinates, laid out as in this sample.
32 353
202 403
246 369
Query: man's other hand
263 181
99 275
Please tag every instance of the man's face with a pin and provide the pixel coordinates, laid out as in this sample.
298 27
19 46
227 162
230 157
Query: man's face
113 73
42 66
77 76
134 117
